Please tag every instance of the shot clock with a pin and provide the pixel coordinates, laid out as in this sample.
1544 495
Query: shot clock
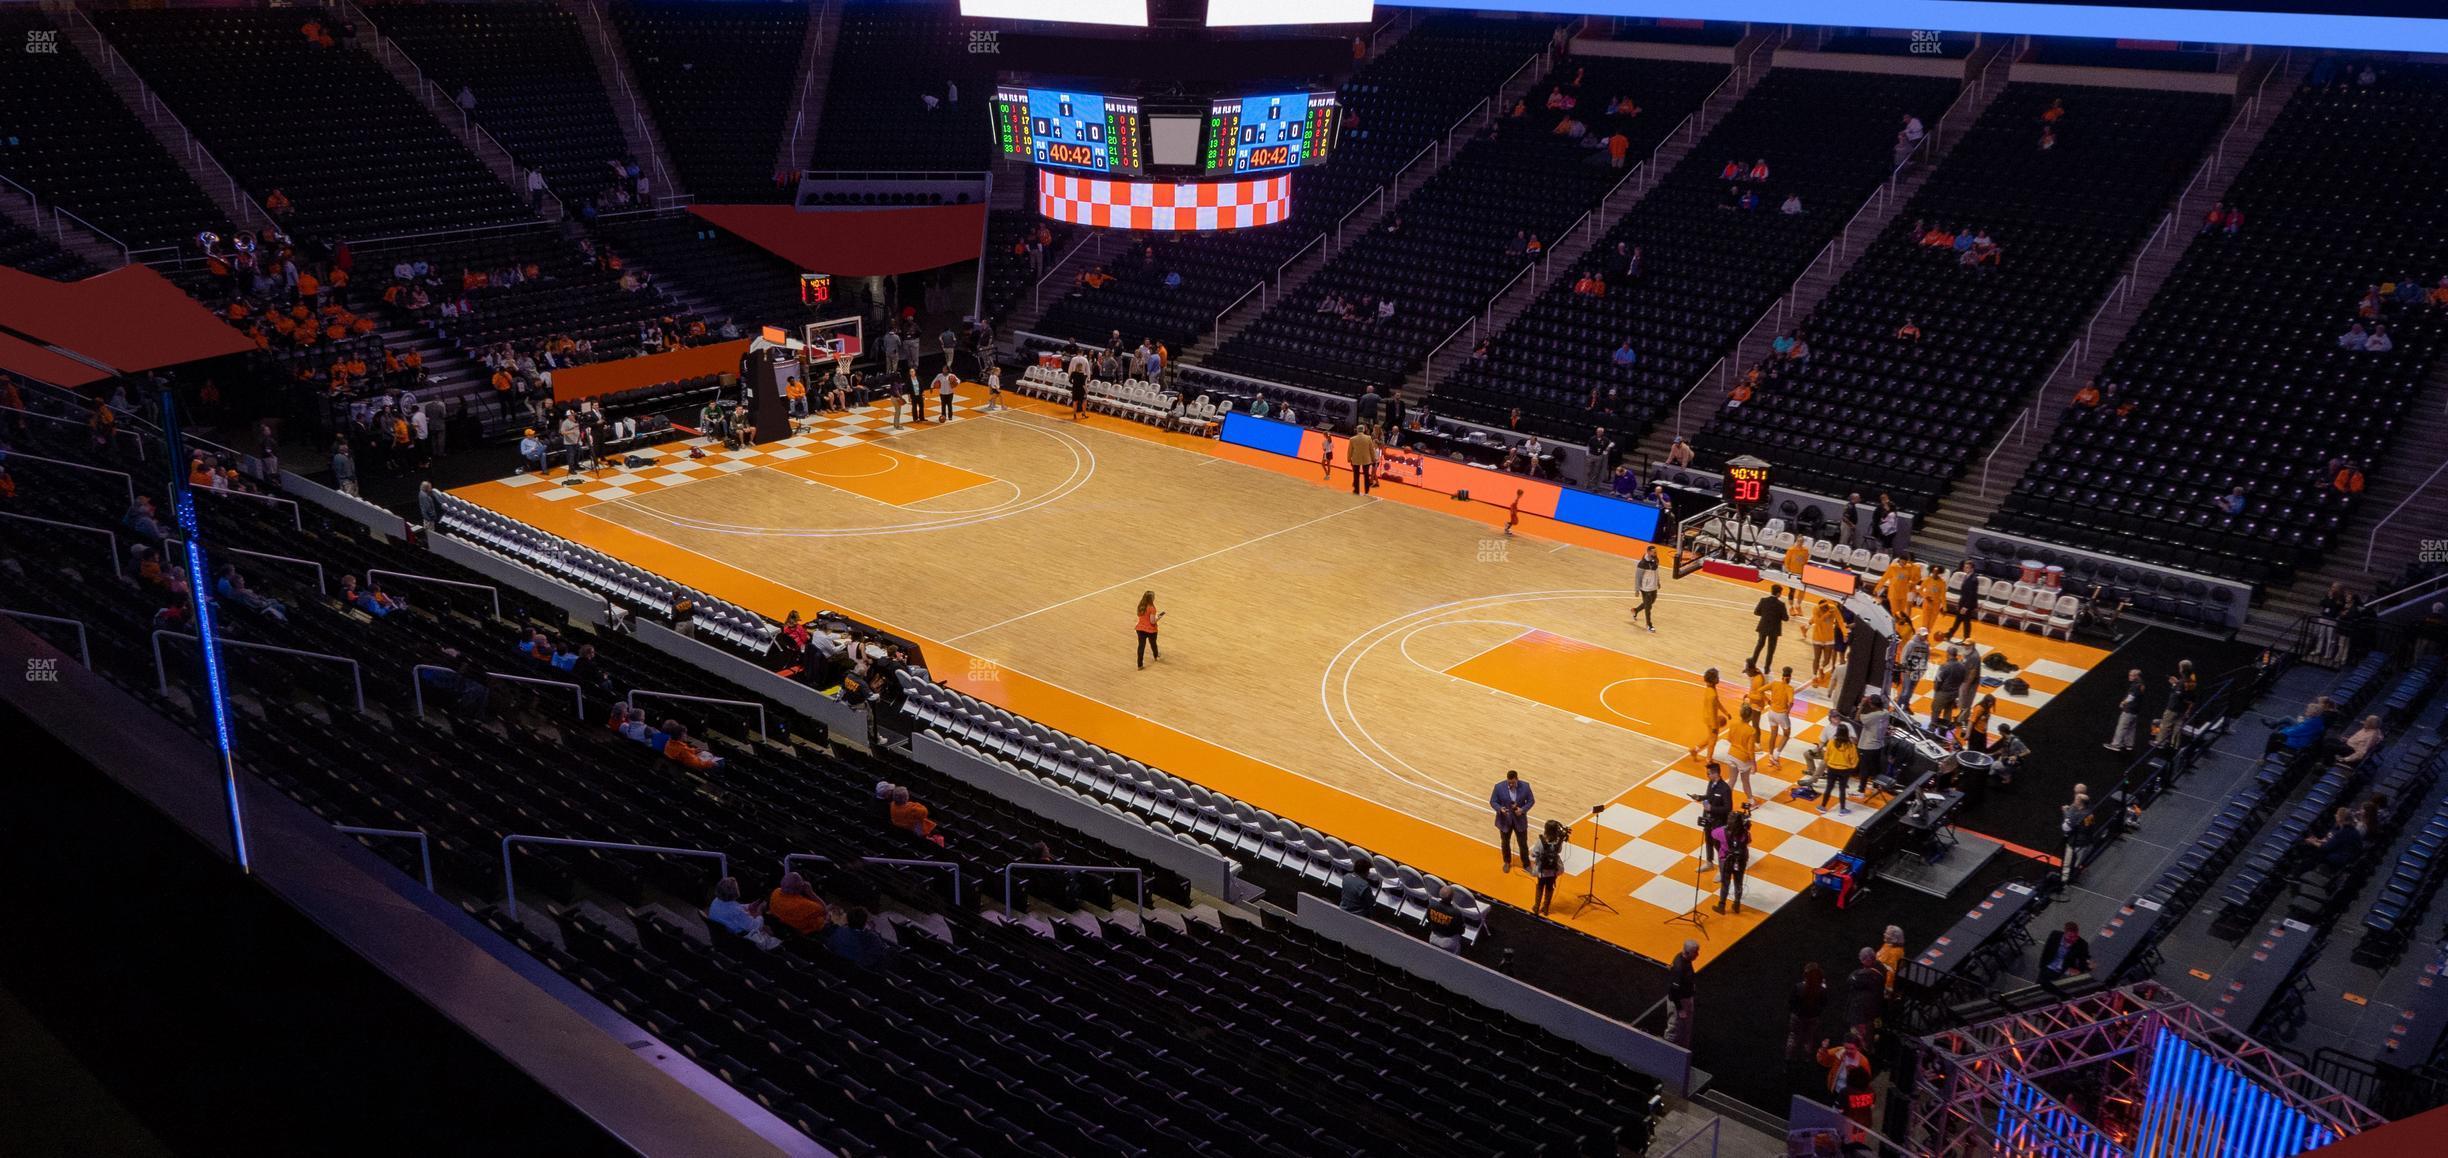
1746 482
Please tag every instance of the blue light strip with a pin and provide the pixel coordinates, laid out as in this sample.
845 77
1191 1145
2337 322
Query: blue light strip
2295 29
2030 1122
199 593
2194 1106
199 587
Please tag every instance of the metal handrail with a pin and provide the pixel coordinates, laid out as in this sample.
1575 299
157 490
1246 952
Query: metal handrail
124 477
33 203
105 532
161 670
297 519
903 862
320 584
637 104
631 700
1320 239
76 422
435 100
371 572
1667 142
153 104
1836 250
1037 291
84 651
1136 875
424 845
1714 1128
510 879
896 174
1378 195
1489 309
1218 326
1393 186
1638 168
2017 429
1428 365
60 233
367 244
2371 544
577 694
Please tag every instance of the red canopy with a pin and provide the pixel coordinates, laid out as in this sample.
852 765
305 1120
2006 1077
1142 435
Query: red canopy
129 319
858 242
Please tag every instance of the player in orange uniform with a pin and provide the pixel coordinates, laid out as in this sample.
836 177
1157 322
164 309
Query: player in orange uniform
1712 716
1777 721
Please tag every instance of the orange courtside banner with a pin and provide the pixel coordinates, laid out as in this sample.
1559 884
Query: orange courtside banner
600 378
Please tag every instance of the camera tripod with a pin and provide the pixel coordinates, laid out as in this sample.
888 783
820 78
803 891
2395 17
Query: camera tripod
1589 894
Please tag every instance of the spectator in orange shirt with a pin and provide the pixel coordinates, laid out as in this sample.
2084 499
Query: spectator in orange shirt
908 815
2349 480
2089 396
795 905
1619 148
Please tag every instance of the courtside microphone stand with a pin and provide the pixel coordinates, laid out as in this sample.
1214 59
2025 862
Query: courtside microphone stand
1589 895
1693 916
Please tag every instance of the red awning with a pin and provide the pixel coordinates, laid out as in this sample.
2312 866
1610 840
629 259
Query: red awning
129 319
858 242
597 378
18 356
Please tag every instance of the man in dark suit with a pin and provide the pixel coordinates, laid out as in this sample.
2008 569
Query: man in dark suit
1512 800
2065 952
1772 615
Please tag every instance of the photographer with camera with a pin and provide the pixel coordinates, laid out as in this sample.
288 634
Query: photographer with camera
1734 856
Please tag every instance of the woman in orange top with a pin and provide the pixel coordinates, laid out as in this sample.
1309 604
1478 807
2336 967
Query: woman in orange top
1933 600
1712 716
1742 754
1777 721
1797 557
1148 618
1822 636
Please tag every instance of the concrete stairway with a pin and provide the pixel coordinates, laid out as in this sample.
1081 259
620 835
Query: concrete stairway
815 73
1821 276
1364 217
1575 242
445 109
2402 517
628 107
236 204
1977 496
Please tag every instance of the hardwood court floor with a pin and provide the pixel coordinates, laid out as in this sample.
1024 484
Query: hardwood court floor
1367 666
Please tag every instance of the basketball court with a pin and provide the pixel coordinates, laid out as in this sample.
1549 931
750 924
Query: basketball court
1366 666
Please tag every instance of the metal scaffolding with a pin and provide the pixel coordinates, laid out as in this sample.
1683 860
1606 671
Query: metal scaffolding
1986 1089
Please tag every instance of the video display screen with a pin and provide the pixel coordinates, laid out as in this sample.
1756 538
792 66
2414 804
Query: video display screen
1092 132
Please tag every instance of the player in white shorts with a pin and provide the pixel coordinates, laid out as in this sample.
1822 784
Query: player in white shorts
1777 718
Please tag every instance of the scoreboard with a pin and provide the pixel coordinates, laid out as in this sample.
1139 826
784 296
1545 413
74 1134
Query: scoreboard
1107 134
1275 131
1095 132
